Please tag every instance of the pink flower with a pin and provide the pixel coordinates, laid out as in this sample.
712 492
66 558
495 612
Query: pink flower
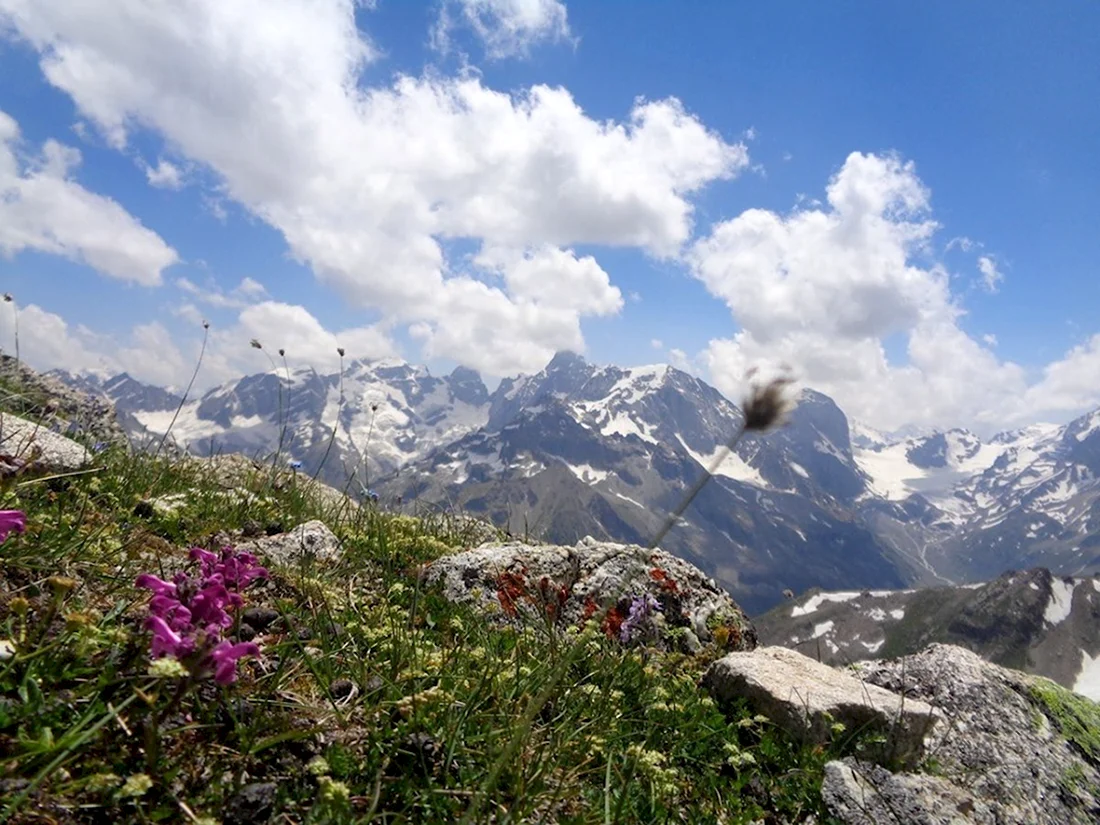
166 642
225 656
11 520
159 586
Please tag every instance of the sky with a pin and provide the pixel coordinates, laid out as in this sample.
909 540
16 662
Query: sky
897 202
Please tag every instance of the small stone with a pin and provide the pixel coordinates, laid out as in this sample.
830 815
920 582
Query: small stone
246 632
342 689
254 803
252 529
260 617
304 634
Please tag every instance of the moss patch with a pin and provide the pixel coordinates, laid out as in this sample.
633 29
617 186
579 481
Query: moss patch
1077 718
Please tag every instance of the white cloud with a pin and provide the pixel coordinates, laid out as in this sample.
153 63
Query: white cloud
165 175
44 209
657 343
147 351
293 328
991 275
276 112
823 288
150 353
990 339
247 292
506 28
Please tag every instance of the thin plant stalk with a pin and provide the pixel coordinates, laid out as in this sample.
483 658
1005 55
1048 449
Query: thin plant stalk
336 423
187 391
700 482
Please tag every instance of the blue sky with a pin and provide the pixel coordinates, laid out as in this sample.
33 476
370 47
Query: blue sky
896 200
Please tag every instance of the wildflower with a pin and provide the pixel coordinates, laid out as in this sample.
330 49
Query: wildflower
255 344
340 351
60 585
99 446
205 324
167 667
7 298
225 657
19 606
282 352
187 615
136 785
641 622
11 521
295 465
318 766
333 791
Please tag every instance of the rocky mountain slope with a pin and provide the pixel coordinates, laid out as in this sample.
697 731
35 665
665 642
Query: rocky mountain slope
579 449
1032 621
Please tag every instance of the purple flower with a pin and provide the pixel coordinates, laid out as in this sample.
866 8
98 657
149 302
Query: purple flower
225 656
641 622
166 641
188 614
11 520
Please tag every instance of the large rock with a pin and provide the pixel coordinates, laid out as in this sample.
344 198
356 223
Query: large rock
1015 746
28 444
867 794
311 540
571 584
807 698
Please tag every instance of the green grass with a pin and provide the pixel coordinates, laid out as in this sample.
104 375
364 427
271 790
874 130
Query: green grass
88 735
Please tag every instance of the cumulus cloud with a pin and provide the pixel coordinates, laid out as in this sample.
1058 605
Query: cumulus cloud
824 287
151 353
991 275
147 351
506 28
44 209
276 113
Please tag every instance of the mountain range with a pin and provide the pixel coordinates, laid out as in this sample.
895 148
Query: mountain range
580 449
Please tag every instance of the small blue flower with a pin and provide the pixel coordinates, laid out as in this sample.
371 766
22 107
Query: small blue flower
99 446
373 496
295 465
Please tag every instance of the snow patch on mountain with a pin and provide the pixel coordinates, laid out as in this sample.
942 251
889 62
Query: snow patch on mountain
732 466
1061 601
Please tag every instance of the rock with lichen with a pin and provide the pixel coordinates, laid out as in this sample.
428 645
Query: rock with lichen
1013 749
595 579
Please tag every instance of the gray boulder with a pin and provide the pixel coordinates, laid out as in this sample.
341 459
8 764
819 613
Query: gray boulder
27 444
571 584
807 698
867 794
1013 749
311 540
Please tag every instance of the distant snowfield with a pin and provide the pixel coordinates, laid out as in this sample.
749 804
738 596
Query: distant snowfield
1061 601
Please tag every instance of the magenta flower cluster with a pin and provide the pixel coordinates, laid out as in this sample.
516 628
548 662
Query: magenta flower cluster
11 521
189 614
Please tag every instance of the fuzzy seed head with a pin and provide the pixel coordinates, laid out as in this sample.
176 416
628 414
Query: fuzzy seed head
768 404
